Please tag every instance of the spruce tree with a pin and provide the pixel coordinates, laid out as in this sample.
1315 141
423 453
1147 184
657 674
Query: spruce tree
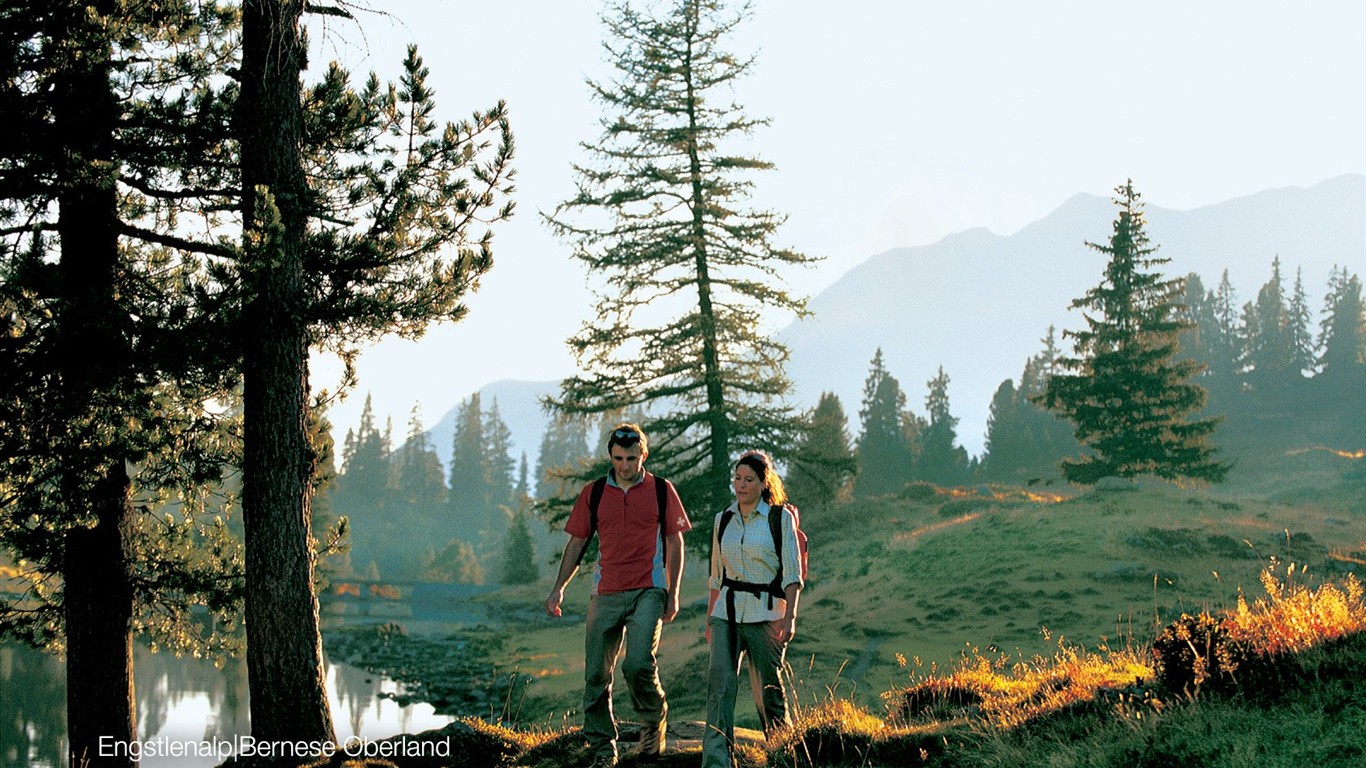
1127 392
519 554
420 480
1224 338
941 461
1342 331
563 453
823 464
1007 443
661 215
469 491
884 449
1269 355
1303 356
498 464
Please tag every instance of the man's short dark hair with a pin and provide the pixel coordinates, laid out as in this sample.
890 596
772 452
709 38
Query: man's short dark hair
628 435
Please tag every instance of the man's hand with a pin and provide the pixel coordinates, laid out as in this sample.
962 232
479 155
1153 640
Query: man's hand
670 607
552 603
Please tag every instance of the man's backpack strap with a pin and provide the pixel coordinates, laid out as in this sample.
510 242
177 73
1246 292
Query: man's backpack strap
594 499
662 500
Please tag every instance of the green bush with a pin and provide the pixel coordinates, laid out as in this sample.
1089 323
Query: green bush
920 491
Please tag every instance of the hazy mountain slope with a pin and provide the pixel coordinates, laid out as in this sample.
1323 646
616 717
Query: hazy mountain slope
979 303
519 405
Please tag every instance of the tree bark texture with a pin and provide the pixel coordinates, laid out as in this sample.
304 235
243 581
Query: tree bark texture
93 359
284 648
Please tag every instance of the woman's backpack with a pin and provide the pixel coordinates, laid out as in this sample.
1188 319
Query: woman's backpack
775 527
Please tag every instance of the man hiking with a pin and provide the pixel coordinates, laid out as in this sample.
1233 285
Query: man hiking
640 522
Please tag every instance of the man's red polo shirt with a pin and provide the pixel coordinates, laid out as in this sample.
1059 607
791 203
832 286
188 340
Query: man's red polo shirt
630 552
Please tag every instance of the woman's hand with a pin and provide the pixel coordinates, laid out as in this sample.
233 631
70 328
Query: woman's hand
784 629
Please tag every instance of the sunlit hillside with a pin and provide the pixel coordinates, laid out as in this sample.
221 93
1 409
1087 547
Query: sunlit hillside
906 585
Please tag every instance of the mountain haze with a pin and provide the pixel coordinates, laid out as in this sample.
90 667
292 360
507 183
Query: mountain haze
979 304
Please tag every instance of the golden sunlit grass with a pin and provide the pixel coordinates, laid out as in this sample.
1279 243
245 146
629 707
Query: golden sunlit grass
983 694
1004 694
1293 617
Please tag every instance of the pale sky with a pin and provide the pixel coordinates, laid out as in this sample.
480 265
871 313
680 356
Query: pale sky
893 124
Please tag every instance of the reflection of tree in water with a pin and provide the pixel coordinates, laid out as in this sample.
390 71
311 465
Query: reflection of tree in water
164 682
32 708
355 689
231 703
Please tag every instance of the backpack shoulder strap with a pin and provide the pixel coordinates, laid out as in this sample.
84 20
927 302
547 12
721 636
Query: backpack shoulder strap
775 527
594 499
662 500
721 526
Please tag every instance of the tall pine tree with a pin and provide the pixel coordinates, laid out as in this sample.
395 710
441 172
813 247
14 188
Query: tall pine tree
941 460
564 451
885 451
823 464
1127 392
363 217
661 214
108 345
1342 331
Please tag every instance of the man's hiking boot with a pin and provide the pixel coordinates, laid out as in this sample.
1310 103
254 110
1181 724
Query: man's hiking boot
652 738
603 760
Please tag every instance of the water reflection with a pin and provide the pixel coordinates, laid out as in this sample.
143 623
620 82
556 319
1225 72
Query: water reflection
180 700
32 708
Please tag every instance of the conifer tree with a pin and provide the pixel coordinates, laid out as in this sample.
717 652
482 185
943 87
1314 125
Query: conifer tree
1126 391
519 555
661 215
823 464
941 461
107 356
884 448
564 450
1342 331
498 466
420 479
363 217
1224 338
1303 357
1007 441
469 498
522 491
1266 323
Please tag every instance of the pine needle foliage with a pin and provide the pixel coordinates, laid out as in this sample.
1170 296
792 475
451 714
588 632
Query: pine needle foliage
691 272
1127 390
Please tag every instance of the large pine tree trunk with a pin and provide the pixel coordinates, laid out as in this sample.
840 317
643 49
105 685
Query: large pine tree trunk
284 648
100 715
93 358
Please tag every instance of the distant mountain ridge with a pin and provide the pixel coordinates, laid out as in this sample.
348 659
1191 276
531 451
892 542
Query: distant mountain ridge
979 303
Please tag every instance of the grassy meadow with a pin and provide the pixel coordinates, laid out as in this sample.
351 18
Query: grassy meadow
906 586
997 626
